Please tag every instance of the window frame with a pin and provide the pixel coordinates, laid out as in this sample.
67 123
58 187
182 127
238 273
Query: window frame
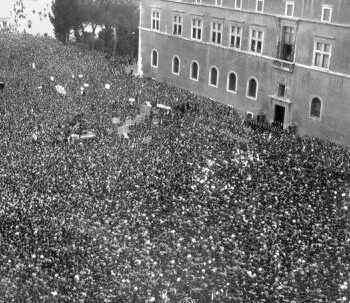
250 113
324 7
288 30
257 40
286 9
315 51
218 3
154 50
238 6
172 65
198 2
197 28
157 20
178 24
257 6
280 84
198 69
310 107
217 76
217 32
257 88
235 35
228 82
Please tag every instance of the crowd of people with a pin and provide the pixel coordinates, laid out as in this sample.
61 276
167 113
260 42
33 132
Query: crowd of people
207 209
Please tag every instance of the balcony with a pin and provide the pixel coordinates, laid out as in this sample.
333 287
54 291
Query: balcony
283 65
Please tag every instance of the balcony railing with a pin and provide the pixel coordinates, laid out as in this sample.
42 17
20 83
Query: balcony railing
284 65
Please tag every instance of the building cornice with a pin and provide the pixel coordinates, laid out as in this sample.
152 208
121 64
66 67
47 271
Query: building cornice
176 11
324 37
265 57
263 13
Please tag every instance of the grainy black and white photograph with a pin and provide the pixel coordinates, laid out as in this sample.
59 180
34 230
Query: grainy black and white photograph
174 151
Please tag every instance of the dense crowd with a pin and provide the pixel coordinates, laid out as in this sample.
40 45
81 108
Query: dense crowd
206 210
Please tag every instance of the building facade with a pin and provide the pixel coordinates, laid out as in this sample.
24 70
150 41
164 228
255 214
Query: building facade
285 60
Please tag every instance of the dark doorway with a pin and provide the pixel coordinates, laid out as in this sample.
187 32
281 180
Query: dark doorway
279 114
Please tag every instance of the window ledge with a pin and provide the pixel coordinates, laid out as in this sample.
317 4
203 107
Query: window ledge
314 118
232 91
323 69
252 98
256 54
235 48
283 65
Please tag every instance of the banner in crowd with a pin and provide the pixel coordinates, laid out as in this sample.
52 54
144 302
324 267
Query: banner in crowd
115 120
163 106
60 89
88 135
147 140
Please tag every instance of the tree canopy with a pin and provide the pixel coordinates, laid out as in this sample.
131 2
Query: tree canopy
116 17
65 16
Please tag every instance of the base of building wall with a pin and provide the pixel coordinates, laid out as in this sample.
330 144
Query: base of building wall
298 128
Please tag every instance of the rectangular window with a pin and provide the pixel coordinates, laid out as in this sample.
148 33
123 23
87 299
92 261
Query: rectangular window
256 40
216 32
287 47
155 20
250 115
238 4
281 90
218 2
235 36
197 28
260 6
177 25
289 9
326 13
322 54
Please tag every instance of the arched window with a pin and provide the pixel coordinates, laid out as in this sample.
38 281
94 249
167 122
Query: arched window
154 58
194 70
252 88
232 82
176 65
213 76
315 109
